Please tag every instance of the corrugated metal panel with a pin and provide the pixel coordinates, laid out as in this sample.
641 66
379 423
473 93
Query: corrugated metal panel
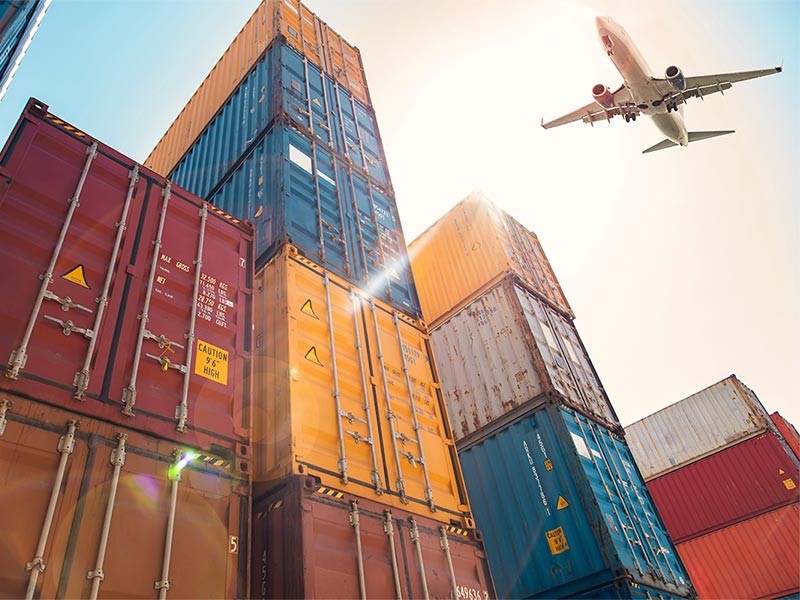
19 20
211 525
78 339
305 546
788 432
301 29
333 400
282 85
625 589
468 250
297 191
564 510
750 478
506 350
717 417
757 558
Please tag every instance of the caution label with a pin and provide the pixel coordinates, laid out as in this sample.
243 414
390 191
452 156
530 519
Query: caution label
76 275
548 464
557 540
212 362
789 483
562 504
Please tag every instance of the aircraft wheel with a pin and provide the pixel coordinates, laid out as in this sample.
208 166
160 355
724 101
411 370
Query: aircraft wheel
627 118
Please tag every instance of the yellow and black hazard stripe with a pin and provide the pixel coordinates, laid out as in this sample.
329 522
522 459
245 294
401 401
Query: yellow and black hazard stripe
64 125
223 214
214 461
457 530
275 505
329 492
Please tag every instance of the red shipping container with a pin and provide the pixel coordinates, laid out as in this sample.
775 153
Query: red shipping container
788 431
757 558
310 541
127 299
739 482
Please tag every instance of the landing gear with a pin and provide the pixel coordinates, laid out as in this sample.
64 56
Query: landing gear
671 106
630 117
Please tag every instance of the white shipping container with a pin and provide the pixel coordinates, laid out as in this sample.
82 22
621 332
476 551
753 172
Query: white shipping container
507 352
715 418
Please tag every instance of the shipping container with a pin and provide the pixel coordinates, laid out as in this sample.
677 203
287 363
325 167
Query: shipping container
288 20
734 484
468 250
719 416
92 507
788 431
507 353
345 391
132 298
310 541
564 510
19 21
283 86
757 558
296 191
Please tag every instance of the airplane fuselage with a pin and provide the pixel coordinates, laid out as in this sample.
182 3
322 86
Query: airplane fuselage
638 78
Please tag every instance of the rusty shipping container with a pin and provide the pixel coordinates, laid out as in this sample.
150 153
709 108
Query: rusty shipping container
507 353
719 416
737 483
299 28
310 541
90 507
132 298
757 558
466 253
345 390
788 431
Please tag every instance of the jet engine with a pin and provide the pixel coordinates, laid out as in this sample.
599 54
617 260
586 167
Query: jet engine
675 78
603 96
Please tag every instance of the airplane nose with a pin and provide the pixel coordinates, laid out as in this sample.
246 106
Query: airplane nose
600 22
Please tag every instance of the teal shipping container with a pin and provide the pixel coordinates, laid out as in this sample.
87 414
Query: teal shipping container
296 191
283 85
19 20
565 513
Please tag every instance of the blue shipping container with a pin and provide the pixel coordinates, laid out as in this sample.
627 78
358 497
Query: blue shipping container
297 191
17 19
283 84
564 512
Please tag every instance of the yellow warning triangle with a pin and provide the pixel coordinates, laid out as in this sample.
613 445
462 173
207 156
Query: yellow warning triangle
308 309
311 355
77 276
562 504
781 472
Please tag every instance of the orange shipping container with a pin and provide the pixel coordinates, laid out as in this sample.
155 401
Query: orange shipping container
111 493
345 391
301 29
469 250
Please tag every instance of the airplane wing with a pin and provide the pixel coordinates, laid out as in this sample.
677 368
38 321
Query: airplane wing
594 112
703 85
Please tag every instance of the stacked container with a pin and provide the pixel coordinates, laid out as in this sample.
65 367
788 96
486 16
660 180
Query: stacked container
725 478
358 490
125 400
19 21
553 485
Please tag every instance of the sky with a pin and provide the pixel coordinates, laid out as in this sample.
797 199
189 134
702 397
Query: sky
682 266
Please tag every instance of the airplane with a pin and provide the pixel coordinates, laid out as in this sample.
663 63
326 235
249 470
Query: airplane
643 94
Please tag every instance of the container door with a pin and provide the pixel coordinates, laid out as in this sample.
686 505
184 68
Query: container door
65 290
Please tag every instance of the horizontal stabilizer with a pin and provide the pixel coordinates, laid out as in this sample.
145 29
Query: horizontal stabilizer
694 136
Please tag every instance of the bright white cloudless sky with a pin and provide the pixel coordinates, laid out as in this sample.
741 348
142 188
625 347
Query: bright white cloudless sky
682 266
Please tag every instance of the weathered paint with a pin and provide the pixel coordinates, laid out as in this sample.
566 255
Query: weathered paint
564 510
288 20
757 558
296 191
34 213
471 248
712 419
737 483
211 517
305 546
507 352
788 431
301 375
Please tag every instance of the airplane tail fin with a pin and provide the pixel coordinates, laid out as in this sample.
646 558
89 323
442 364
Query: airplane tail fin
694 136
